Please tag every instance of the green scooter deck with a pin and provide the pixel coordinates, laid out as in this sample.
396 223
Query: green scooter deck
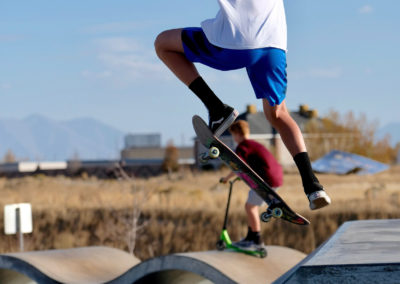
226 243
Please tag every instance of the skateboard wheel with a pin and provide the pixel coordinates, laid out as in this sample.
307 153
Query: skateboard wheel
214 152
277 212
265 217
220 245
263 252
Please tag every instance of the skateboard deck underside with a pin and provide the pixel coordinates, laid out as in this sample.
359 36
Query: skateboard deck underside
241 169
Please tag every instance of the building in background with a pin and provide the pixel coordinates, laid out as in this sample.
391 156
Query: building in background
262 131
146 151
143 140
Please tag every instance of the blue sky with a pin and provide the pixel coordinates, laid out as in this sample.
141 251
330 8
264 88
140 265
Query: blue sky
68 59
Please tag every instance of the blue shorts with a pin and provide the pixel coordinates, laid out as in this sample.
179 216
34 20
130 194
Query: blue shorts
266 67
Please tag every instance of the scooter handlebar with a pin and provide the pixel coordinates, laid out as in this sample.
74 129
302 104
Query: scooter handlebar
221 180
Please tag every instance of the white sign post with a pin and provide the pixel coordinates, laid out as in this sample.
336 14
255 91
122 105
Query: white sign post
18 220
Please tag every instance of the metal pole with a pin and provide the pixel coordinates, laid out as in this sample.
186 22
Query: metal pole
19 229
229 202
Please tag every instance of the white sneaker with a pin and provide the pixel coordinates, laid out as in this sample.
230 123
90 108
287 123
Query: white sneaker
318 199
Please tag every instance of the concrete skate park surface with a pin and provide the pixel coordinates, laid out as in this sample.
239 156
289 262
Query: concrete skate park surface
359 252
107 265
78 265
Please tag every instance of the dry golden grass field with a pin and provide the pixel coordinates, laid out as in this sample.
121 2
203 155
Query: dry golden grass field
183 212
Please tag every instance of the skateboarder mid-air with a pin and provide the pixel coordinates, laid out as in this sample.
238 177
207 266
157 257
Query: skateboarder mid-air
265 165
247 34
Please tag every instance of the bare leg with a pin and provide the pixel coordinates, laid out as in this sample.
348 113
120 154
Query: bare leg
281 120
169 49
252 217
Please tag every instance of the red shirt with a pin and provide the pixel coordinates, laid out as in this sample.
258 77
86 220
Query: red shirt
261 161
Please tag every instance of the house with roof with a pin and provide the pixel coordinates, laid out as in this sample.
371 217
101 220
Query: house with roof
262 131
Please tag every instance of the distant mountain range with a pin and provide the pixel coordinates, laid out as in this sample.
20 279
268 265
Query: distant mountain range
39 138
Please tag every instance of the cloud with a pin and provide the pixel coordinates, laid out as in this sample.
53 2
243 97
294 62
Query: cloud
366 9
124 60
118 44
132 65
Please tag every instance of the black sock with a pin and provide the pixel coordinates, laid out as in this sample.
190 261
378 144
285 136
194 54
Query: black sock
257 238
248 234
307 175
206 95
253 236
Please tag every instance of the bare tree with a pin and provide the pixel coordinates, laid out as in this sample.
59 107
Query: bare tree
75 163
348 133
170 163
9 157
141 196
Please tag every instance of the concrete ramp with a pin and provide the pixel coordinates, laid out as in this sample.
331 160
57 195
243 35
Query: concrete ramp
107 265
359 252
214 267
77 265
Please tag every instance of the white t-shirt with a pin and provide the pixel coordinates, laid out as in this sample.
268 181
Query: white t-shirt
248 24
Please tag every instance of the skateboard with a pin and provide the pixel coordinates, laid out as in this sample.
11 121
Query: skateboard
277 207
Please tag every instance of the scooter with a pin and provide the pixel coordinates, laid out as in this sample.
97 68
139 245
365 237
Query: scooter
225 242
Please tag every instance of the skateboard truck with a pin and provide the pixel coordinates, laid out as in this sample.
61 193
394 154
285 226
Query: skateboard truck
271 211
212 153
